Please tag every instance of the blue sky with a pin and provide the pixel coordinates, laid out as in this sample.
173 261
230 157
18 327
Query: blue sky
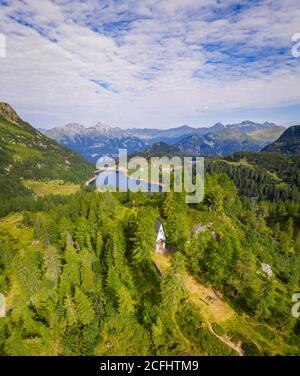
150 63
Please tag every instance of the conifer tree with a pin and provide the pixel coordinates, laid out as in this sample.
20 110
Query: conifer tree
84 307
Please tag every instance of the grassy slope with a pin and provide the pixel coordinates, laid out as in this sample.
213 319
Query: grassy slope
27 154
54 187
238 327
218 316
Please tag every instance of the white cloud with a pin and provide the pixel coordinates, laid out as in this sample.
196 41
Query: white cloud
161 63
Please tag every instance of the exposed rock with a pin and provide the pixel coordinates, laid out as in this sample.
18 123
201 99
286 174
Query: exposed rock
266 269
8 113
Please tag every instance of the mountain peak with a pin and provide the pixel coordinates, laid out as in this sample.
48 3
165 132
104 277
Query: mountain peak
251 126
267 124
184 127
247 122
218 126
72 125
9 113
73 128
102 126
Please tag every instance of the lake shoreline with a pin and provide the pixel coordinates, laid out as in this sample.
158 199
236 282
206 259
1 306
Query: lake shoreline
125 172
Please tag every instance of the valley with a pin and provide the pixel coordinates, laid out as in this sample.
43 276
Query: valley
81 274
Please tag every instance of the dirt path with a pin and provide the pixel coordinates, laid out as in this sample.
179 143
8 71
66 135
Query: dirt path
213 308
235 346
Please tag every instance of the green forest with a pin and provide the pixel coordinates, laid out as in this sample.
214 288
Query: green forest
80 275
81 278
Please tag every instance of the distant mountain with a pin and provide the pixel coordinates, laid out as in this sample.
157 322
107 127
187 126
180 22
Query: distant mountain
160 149
170 136
25 153
217 144
227 139
163 148
288 142
95 142
250 126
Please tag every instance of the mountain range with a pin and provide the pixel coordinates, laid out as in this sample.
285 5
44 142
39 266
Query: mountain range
94 142
288 142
